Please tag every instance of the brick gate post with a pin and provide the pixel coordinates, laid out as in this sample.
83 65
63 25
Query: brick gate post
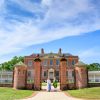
19 80
37 74
63 74
81 75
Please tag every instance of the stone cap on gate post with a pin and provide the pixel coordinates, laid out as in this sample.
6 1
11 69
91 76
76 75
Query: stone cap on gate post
63 58
80 64
37 59
20 65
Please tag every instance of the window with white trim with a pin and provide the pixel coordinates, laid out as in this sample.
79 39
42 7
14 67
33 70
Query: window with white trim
57 62
45 62
51 62
30 63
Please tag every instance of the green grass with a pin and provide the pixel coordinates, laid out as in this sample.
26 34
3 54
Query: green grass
11 94
87 93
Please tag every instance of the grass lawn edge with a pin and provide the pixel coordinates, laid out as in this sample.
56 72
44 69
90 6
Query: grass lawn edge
84 95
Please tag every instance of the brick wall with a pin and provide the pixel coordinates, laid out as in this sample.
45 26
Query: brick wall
81 77
63 74
19 77
37 73
30 86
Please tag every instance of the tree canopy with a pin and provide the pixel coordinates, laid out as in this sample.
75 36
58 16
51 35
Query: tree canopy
94 67
10 64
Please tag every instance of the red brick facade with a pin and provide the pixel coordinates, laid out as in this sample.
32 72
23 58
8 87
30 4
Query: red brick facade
81 76
62 66
63 74
37 74
20 72
46 59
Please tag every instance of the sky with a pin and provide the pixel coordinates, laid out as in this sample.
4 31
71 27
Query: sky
26 26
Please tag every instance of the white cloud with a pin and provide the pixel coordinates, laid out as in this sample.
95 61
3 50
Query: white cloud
60 19
1 3
29 6
47 2
90 55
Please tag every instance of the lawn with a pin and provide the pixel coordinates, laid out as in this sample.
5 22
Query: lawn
11 94
87 93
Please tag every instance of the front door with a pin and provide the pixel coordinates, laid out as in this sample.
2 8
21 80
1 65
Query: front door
51 75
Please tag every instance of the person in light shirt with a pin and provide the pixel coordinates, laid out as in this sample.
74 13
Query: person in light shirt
48 85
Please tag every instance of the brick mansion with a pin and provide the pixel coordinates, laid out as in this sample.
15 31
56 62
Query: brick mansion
64 67
50 63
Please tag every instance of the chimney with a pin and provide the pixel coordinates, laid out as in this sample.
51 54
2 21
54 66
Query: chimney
42 51
60 51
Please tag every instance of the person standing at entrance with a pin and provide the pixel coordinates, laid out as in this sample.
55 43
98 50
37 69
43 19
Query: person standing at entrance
48 85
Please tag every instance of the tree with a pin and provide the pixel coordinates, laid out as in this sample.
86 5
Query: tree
10 64
94 67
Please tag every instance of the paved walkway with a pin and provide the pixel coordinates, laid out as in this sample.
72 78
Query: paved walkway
44 95
51 96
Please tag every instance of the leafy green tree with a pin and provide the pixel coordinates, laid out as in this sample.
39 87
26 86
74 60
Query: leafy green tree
94 67
10 64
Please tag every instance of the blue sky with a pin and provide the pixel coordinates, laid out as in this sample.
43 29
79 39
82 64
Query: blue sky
26 26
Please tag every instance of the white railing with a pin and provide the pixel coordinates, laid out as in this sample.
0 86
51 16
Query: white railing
94 80
6 77
94 76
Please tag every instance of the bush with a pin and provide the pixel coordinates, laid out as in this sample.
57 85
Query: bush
55 84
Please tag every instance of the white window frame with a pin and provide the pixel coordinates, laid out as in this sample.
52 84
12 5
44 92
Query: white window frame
30 63
57 61
52 62
45 62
